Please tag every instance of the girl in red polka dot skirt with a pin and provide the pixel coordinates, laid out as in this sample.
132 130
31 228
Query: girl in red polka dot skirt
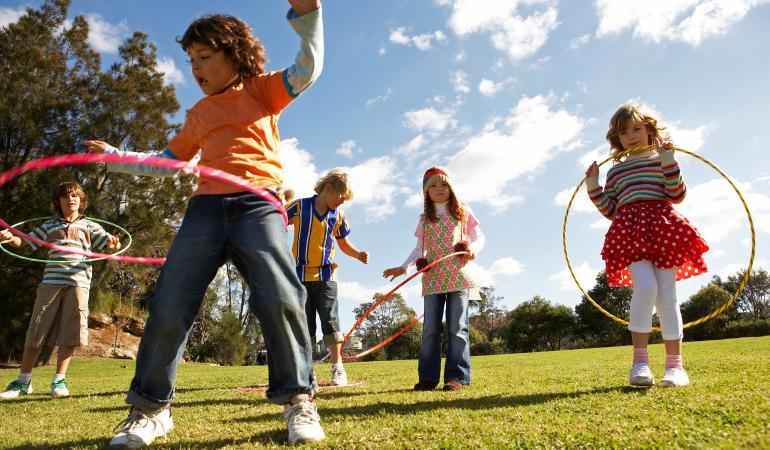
649 245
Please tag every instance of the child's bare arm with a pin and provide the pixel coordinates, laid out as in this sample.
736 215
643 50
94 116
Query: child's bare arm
350 250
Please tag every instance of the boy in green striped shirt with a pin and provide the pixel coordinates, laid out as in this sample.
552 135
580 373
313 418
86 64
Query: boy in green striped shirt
60 313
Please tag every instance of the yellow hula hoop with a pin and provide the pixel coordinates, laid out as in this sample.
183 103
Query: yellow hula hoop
714 313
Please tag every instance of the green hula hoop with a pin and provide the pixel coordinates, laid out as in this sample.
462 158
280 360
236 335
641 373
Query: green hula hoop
85 260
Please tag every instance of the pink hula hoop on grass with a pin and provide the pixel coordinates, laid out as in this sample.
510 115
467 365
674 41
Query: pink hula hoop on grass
385 297
77 159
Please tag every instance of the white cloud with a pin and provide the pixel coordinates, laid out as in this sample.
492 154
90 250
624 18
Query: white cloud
503 267
597 154
420 41
585 274
461 56
428 119
346 148
733 268
518 37
10 15
105 37
381 98
489 88
512 147
299 172
412 147
715 210
460 82
171 73
540 63
506 267
579 41
375 183
689 21
581 203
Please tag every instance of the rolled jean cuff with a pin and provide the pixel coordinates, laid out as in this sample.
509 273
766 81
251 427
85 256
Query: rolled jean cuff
282 397
144 402
334 338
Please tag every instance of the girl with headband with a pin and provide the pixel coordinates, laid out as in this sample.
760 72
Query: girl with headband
446 226
649 245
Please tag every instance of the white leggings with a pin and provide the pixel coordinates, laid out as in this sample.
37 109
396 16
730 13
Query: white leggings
653 286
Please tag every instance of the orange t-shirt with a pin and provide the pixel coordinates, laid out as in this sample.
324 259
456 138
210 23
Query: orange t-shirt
237 132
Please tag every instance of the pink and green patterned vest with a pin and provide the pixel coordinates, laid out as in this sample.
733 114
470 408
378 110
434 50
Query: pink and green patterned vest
438 240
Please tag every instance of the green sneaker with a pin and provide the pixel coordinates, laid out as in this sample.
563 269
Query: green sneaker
59 388
15 388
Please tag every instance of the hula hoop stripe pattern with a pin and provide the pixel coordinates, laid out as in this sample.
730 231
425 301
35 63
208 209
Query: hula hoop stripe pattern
714 313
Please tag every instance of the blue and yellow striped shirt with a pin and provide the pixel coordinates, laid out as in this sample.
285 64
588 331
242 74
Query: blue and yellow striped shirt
313 245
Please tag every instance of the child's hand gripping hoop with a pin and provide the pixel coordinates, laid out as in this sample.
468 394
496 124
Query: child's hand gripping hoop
714 313
382 299
85 260
76 159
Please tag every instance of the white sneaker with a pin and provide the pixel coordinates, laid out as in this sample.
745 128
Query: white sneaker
641 375
339 376
140 428
15 389
675 377
59 388
303 421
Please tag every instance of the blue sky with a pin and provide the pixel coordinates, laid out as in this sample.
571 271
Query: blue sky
514 98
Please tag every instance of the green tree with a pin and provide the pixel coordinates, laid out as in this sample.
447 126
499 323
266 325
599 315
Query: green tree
54 97
537 325
228 340
706 300
384 320
487 315
596 329
754 300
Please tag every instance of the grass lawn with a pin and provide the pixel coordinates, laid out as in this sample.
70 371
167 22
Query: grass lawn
577 398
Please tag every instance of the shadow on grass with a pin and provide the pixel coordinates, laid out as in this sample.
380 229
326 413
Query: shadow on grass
98 442
448 400
272 437
45 397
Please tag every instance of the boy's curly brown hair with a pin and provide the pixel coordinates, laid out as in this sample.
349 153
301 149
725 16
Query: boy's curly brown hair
231 35
64 189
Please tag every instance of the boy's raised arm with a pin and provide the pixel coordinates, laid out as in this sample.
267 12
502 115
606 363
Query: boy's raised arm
305 18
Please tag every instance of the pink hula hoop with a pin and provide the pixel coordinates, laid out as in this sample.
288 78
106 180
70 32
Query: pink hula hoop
382 299
77 159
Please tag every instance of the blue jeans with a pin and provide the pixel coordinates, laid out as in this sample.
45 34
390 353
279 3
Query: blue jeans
322 299
458 357
251 232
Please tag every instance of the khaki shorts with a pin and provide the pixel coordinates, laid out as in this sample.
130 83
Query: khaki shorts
59 317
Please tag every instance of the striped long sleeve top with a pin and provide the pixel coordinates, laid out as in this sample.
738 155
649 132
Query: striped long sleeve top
638 180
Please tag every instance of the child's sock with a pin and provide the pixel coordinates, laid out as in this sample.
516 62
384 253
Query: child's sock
673 361
25 378
640 355
58 377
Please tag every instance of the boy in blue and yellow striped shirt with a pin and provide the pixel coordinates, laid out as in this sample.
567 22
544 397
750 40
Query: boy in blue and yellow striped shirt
318 221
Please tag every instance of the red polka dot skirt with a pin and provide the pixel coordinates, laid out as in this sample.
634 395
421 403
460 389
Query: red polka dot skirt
652 231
